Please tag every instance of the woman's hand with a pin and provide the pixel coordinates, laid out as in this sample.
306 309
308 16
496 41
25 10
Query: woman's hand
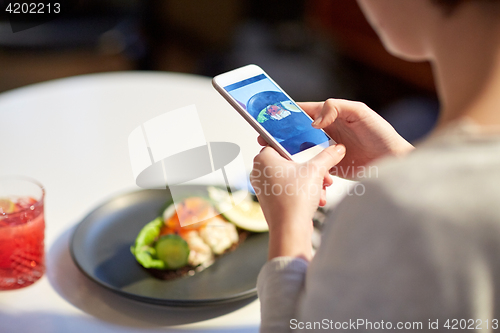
365 134
289 194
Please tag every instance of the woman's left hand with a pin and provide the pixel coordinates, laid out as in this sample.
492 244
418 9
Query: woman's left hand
289 194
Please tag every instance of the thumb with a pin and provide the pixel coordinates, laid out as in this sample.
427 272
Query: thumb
329 113
329 157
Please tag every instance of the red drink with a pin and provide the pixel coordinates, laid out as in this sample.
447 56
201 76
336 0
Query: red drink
22 226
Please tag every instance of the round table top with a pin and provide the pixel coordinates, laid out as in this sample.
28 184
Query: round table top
72 136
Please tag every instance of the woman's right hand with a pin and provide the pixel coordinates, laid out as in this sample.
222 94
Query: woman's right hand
365 134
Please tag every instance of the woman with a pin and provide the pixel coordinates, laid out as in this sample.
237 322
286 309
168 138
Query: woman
420 249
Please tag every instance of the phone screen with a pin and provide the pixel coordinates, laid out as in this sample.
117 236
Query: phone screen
279 115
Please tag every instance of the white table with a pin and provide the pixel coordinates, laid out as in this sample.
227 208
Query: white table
71 135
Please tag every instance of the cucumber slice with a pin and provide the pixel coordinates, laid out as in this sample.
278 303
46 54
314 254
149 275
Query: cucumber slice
173 251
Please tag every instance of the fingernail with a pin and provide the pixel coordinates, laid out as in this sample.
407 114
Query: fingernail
317 121
340 149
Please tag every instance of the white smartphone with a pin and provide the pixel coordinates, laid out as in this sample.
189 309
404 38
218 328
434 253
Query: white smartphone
270 111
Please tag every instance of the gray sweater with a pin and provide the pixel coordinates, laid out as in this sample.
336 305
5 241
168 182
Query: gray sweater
419 249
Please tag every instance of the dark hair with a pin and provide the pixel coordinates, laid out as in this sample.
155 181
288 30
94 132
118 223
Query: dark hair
450 5
448 2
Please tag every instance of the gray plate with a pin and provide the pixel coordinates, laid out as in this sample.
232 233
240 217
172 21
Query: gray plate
100 247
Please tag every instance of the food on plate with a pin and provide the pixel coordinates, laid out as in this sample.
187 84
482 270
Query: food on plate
173 250
247 214
213 225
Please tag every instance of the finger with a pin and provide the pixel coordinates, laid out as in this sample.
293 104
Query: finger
266 156
329 157
269 152
261 141
313 109
328 114
349 111
322 199
327 180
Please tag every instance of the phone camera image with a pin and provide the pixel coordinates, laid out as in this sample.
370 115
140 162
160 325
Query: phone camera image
276 113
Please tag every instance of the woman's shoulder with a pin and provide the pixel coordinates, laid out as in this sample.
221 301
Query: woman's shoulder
450 168
447 178
427 227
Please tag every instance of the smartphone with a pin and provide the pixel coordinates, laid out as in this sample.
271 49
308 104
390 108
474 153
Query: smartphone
272 113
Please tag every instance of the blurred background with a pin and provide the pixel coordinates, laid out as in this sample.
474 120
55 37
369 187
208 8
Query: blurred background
315 49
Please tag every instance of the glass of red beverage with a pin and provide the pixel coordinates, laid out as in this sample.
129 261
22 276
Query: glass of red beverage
22 227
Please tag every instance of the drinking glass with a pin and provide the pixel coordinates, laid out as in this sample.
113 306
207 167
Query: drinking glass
22 226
